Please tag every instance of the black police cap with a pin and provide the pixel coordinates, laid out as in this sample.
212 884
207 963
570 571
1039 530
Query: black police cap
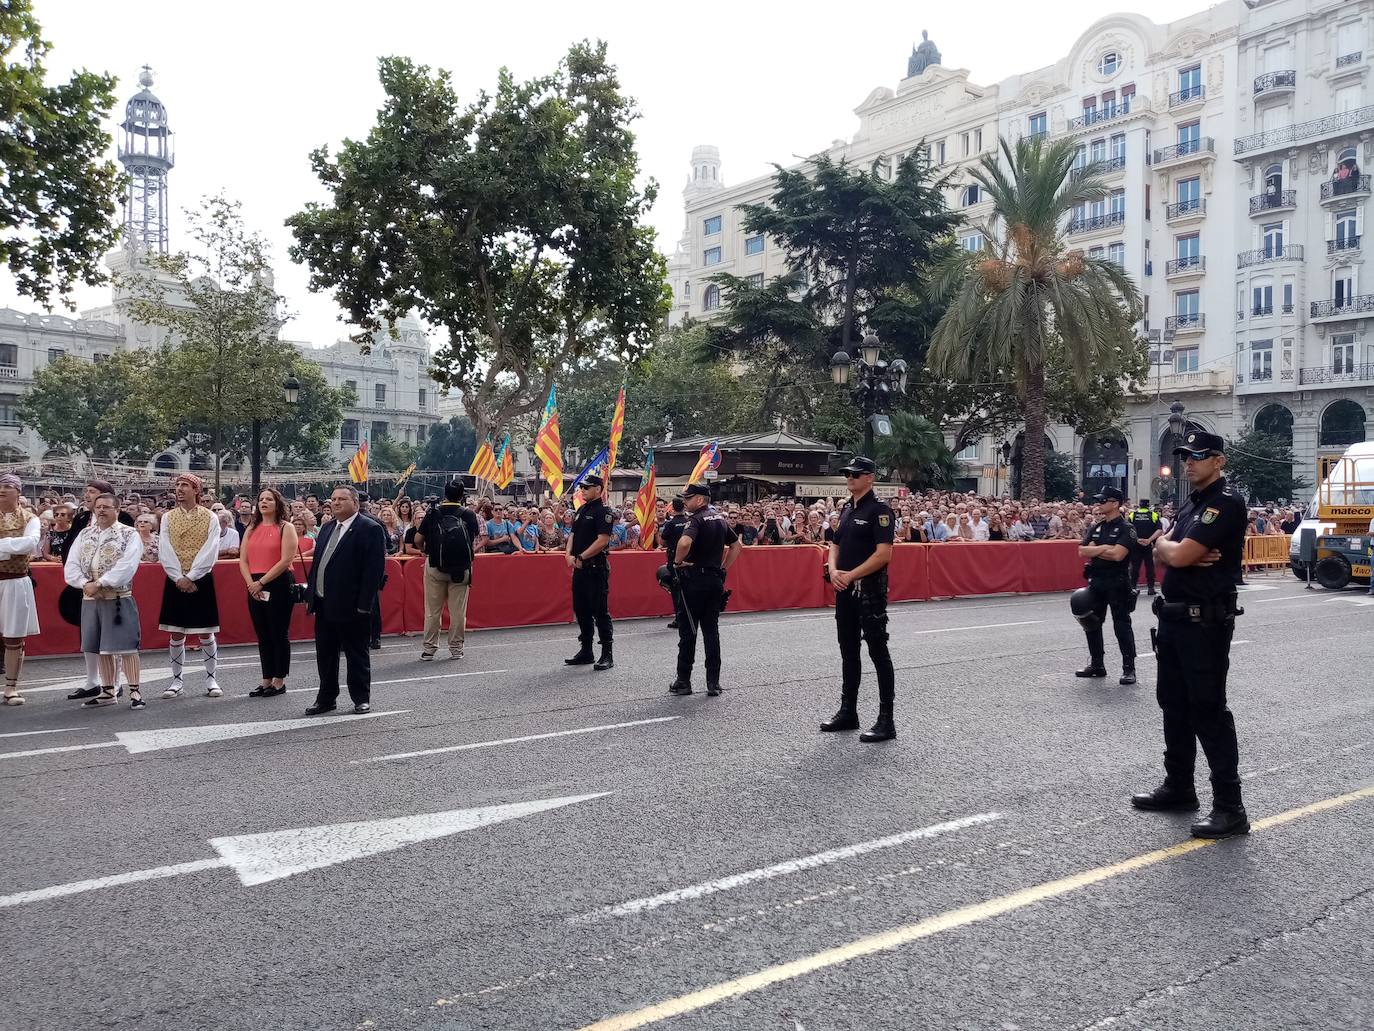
860 464
593 481
1110 494
1196 441
696 490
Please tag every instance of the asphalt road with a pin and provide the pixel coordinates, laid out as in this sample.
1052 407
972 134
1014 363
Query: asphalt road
609 849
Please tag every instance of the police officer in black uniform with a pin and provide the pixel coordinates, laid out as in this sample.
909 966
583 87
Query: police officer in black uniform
1107 547
1197 616
1145 522
859 554
591 578
670 534
706 549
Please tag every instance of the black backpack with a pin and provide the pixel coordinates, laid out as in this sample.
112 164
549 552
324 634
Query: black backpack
451 546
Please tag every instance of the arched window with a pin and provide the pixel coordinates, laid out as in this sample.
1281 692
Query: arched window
1343 424
231 465
200 463
1273 180
970 196
1109 63
1276 420
167 463
1347 162
710 298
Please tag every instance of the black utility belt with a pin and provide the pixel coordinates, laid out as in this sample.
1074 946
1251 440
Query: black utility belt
1208 613
595 562
715 571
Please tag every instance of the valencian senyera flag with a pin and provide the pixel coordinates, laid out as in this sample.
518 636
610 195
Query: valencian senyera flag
484 462
357 465
646 504
617 428
505 464
598 460
405 475
709 459
548 447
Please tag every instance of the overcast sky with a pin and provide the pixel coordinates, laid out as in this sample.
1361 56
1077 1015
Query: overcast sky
252 86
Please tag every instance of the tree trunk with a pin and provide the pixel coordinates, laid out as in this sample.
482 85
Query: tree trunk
1033 448
215 442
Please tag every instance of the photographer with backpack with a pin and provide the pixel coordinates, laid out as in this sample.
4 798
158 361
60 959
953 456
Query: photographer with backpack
447 536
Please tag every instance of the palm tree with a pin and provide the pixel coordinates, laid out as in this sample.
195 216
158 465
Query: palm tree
916 452
1029 297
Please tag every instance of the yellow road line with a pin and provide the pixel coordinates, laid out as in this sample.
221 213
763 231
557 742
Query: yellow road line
934 925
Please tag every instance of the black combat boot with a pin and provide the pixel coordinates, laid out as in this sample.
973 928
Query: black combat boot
680 686
1167 798
846 719
1127 673
1227 817
604 661
712 688
582 658
882 730
1093 669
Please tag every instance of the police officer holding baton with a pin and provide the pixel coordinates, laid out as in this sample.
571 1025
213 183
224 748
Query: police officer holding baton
1107 547
706 549
857 570
591 578
1197 616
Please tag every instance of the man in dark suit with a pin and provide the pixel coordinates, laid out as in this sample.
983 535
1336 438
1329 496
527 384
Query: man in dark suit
350 554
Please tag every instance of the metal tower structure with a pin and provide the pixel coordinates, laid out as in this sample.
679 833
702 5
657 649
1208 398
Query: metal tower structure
146 153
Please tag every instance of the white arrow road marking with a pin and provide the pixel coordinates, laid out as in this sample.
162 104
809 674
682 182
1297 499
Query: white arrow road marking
513 740
696 891
137 741
30 733
259 858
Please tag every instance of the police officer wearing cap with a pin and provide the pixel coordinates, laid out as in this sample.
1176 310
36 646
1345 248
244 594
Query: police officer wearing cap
1197 615
591 578
1145 522
1107 547
670 534
706 549
859 554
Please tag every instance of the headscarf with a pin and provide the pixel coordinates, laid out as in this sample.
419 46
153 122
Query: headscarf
10 480
194 480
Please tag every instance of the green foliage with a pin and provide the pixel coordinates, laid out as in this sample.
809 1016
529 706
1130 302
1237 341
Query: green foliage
57 186
450 446
916 453
1261 465
389 455
222 365
514 222
1061 478
106 411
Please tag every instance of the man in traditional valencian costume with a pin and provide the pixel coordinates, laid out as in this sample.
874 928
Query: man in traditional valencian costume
188 549
20 532
101 564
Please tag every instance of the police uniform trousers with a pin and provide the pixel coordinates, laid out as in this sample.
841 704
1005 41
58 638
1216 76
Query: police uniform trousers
591 592
1115 593
861 612
1193 661
1143 555
701 591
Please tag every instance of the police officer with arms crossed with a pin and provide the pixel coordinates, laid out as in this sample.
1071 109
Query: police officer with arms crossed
670 535
859 554
591 578
1107 547
1197 616
706 549
1145 522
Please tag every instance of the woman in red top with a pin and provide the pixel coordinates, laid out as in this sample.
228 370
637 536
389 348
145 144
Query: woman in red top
269 546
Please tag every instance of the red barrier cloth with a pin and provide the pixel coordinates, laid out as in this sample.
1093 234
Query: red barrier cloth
1050 566
908 574
782 577
55 635
518 590
970 567
634 585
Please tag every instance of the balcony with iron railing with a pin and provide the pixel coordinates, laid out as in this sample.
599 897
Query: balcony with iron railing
1195 322
1343 308
1262 377
1315 129
1349 60
1350 187
1204 148
1096 223
1343 244
1185 209
1273 200
1187 97
1273 83
1099 116
1105 166
1332 374
1268 255
1191 265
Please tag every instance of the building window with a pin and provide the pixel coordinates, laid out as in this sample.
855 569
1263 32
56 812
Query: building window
1038 125
1273 239
710 298
379 393
1262 299
100 356
1118 202
753 244
966 139
419 434
348 432
1109 63
711 226
687 291
1261 360
1347 231
1190 138
712 256
1185 359
1288 297
969 453
940 153
380 430
1190 83
1116 254
9 355
424 396
1186 305
1343 353
1343 286
755 280
972 242
971 196
351 386
1119 146
1189 249
978 141
55 353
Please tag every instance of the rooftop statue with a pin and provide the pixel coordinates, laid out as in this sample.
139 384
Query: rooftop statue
923 56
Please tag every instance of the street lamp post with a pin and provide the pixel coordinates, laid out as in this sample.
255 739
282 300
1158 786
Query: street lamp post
1177 424
291 391
875 382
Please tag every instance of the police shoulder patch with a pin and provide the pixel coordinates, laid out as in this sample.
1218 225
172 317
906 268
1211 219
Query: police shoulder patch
884 520
1210 515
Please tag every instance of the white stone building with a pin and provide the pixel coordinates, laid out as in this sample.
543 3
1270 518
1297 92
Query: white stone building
1235 140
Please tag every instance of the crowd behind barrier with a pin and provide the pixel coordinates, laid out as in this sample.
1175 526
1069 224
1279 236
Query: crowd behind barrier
534 590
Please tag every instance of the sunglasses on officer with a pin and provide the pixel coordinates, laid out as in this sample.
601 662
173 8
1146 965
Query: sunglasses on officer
1200 456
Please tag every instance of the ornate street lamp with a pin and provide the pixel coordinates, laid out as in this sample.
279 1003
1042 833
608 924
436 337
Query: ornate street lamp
875 383
291 392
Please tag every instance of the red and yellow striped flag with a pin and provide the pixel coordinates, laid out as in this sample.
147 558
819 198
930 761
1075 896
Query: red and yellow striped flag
357 465
505 465
617 428
484 462
709 459
646 504
548 447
